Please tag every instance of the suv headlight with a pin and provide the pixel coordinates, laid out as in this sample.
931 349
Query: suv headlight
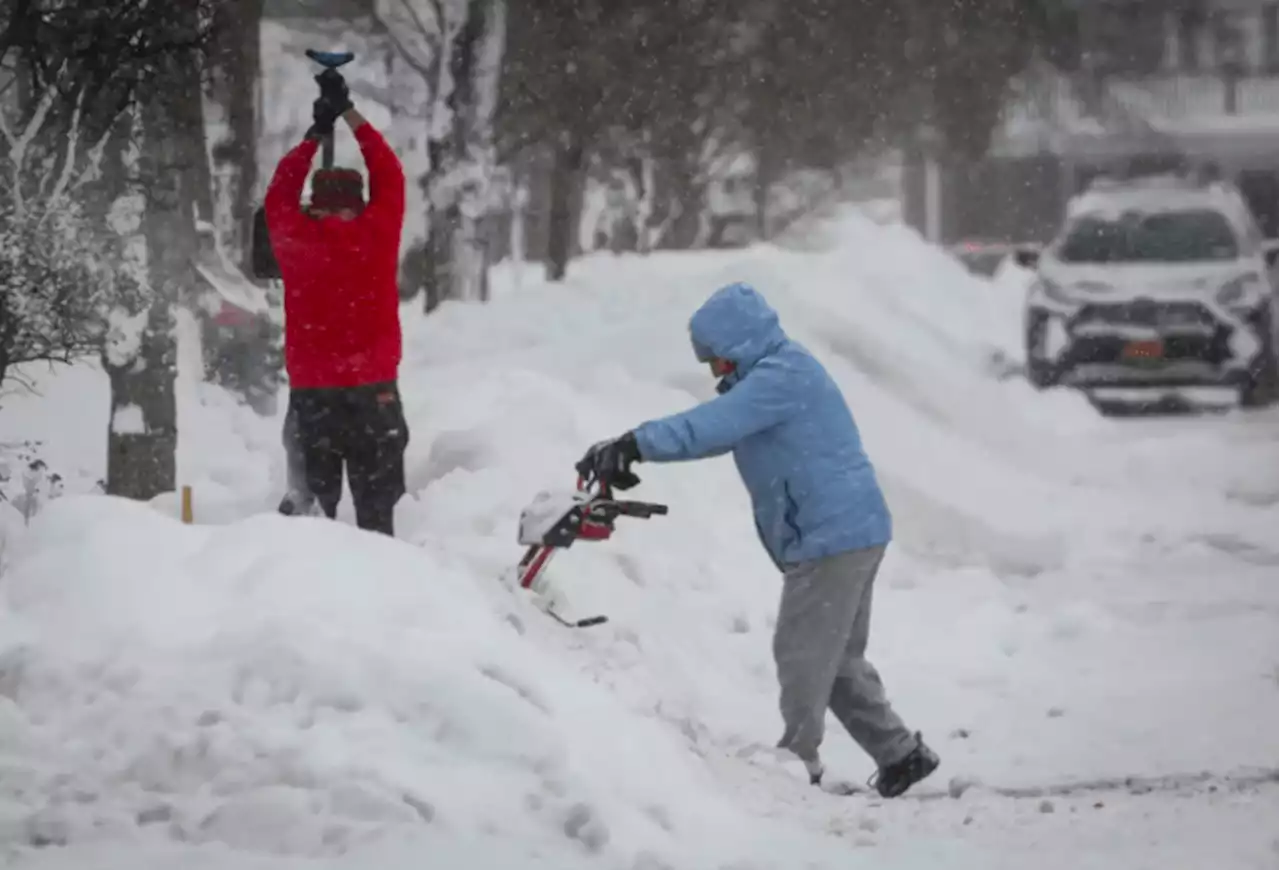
1242 292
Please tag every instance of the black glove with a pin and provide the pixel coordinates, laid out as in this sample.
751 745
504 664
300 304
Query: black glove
324 117
333 90
609 462
334 99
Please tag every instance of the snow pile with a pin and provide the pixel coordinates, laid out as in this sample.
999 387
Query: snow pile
288 687
253 690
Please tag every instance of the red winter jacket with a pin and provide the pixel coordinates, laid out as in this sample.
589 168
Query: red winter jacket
341 300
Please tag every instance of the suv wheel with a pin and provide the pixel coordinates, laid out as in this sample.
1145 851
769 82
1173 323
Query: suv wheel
1260 390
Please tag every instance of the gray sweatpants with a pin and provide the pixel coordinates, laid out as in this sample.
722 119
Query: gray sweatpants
819 646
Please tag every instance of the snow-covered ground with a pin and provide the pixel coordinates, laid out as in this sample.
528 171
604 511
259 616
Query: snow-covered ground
1070 599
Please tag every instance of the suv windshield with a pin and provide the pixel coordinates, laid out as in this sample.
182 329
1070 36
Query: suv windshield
1149 237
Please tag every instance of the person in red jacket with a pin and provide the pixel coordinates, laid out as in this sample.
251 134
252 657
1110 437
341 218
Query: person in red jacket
339 258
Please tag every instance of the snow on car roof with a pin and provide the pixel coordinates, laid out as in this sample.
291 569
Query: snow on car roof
1155 194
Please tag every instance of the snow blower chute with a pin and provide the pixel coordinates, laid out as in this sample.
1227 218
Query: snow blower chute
553 521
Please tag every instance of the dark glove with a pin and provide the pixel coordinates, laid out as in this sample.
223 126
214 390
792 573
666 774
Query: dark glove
324 117
333 90
609 462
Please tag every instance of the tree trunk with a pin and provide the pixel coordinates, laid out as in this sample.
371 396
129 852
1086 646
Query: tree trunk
462 157
476 68
142 436
192 150
405 133
435 256
235 157
246 361
435 251
566 188
766 173
436 266
684 199
647 230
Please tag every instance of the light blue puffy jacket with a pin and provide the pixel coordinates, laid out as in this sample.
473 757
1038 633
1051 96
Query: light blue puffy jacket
813 490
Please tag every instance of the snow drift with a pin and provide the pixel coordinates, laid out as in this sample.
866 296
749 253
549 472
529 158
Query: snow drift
292 687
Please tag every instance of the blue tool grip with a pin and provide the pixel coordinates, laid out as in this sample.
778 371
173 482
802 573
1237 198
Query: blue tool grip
330 59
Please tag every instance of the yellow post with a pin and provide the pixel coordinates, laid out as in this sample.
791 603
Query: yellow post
186 505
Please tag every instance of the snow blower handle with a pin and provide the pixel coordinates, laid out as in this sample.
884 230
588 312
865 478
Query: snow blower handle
610 508
641 509
330 60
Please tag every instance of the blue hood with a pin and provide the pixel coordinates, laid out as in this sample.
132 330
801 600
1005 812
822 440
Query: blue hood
737 324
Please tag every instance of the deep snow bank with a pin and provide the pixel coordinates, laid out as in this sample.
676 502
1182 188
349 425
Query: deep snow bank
296 687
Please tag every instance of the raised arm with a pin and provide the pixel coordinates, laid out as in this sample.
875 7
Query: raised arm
386 175
283 202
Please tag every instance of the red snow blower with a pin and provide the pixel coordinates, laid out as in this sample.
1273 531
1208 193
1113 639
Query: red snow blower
555 520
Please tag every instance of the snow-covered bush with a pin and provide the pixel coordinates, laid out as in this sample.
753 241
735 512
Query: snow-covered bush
26 481
48 290
49 286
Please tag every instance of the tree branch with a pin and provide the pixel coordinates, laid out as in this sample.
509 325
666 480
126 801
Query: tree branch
18 145
68 163
403 50
422 26
94 162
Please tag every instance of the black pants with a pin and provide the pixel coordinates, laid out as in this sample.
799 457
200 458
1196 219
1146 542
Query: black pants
363 430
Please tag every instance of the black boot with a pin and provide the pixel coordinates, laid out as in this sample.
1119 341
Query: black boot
297 504
894 779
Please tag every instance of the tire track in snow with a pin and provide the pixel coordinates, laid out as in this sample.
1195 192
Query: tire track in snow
764 765
1244 779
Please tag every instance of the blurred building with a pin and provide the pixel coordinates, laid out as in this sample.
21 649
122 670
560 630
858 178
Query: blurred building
1193 79
1163 38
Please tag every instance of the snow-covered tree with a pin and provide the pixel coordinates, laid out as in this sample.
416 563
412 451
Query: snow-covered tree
120 84
456 46
49 294
240 322
138 350
154 217
236 67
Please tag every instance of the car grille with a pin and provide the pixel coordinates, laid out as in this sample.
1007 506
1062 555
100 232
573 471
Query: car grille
1211 349
1146 312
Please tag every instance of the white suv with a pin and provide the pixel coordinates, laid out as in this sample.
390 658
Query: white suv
1155 283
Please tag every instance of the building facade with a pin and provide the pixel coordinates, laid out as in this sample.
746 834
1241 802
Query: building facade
1142 38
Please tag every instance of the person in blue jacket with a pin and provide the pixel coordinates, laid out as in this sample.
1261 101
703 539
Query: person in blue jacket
819 513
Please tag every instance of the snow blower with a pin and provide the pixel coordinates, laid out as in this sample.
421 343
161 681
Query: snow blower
554 520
